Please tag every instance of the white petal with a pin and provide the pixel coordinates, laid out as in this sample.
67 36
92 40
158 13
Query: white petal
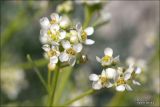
111 73
62 35
72 61
63 57
55 16
128 88
108 51
130 69
89 30
46 47
44 22
116 59
127 75
103 74
93 77
98 59
130 61
54 27
74 39
65 22
138 70
120 88
136 82
55 43
43 39
53 60
96 85
66 44
77 47
79 27
89 42
109 85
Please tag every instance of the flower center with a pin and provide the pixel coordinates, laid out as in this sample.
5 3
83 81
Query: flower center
121 81
55 37
84 36
106 58
52 53
103 80
53 21
71 51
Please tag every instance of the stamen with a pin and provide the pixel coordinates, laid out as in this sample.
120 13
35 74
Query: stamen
121 81
106 58
84 36
71 51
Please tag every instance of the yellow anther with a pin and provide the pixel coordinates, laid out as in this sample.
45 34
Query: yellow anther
52 53
121 81
84 36
53 21
106 58
104 80
71 51
49 32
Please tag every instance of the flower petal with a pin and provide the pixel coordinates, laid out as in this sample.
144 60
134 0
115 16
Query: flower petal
55 43
93 77
72 61
62 35
89 42
109 85
63 57
79 27
111 73
103 74
108 51
120 88
136 82
66 44
44 22
53 60
138 70
128 88
96 85
89 30
55 16
46 47
127 75
98 59
77 47
54 27
116 59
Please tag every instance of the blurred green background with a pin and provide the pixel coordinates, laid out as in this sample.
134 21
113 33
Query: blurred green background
132 31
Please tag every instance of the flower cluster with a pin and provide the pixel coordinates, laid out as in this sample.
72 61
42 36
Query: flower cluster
113 75
61 41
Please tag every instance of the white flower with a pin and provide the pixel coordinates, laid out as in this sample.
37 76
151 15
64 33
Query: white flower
44 22
108 60
55 34
64 22
132 72
121 82
52 52
83 34
100 81
73 35
55 18
70 52
66 7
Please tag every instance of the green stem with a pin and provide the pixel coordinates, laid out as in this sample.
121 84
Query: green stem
88 15
49 79
54 85
37 72
89 92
